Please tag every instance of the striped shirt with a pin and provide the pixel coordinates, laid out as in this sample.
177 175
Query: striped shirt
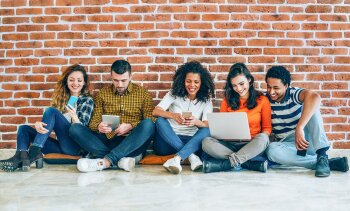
134 105
286 114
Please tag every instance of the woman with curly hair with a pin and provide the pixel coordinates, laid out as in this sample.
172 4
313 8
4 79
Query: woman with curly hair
241 96
73 83
182 116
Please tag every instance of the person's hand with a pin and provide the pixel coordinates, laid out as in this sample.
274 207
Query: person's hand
39 127
103 127
178 118
72 113
300 142
190 121
123 129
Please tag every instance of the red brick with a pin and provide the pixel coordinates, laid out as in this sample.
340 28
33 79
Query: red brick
193 51
142 9
306 51
208 60
262 9
28 28
314 26
19 53
57 61
337 68
114 10
7 28
161 68
154 34
15 37
341 145
307 68
13 3
213 34
87 10
57 27
42 36
14 86
344 111
84 27
175 60
335 86
82 61
34 44
76 52
342 9
7 128
70 35
256 26
285 26
244 17
41 102
338 18
342 59
100 18
261 59
31 78
145 77
143 43
342 43
173 42
318 9
26 62
30 111
218 51
130 51
261 42
56 11
166 77
340 26
15 20
233 42
187 17
342 77
200 25
96 2
232 8
231 59
323 35
184 34
7 12
43 69
55 44
319 43
341 127
276 17
242 34
55 78
125 35
276 51
215 17
6 45
163 50
27 95
13 120
75 18
305 35
68 3
304 17
156 86
45 19
157 17
113 43
227 25
139 59
172 9
203 8
169 26
335 136
128 18
319 60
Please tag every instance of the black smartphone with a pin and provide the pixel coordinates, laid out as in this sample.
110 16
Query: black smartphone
301 152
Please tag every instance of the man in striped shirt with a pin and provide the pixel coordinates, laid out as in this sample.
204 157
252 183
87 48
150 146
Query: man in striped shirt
298 127
117 147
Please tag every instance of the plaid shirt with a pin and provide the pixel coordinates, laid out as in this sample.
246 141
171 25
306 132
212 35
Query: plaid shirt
133 106
85 106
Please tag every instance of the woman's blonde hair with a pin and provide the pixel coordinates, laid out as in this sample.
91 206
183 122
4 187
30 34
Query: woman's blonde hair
61 93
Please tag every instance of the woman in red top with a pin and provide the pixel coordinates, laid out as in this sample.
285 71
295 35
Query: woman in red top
241 96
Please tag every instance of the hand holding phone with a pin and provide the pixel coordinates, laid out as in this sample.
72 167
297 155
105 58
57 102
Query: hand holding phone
72 100
186 114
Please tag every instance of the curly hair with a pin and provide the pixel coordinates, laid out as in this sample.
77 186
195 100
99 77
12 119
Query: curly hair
232 96
279 72
61 93
207 88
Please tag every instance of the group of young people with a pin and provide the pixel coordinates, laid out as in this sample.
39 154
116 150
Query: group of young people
288 113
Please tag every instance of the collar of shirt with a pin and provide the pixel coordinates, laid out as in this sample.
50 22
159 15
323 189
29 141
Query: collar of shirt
286 97
127 91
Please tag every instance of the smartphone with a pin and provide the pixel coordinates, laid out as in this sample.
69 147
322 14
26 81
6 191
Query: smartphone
72 100
112 120
301 152
186 114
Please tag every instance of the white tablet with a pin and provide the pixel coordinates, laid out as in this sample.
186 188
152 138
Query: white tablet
112 120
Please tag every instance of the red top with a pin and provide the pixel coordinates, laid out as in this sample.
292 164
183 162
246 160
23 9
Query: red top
259 118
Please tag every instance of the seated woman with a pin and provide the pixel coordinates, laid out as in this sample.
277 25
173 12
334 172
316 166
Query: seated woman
182 116
58 118
241 96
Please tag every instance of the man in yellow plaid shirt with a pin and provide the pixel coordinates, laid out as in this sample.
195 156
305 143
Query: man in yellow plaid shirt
134 105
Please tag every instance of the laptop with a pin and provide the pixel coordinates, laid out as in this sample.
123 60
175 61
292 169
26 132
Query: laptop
229 126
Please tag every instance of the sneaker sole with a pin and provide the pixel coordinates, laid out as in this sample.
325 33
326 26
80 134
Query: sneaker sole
197 167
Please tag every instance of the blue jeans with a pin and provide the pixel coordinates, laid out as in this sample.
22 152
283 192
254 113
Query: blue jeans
119 146
167 142
55 122
285 152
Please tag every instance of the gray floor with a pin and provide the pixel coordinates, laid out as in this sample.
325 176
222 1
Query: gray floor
58 187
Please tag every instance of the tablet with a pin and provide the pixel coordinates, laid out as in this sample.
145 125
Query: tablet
112 120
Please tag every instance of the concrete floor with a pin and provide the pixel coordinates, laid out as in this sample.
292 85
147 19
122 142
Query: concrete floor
58 187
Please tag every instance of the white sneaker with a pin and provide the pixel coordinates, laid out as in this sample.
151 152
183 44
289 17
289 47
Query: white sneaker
173 165
195 161
89 165
127 164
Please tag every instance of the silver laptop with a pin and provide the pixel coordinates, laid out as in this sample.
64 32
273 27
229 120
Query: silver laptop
229 126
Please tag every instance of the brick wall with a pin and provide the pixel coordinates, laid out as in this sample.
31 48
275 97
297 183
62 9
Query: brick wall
39 38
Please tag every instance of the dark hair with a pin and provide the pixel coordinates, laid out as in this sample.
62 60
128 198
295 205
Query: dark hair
120 67
279 72
207 88
232 96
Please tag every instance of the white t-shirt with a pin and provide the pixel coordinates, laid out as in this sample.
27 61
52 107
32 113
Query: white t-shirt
178 105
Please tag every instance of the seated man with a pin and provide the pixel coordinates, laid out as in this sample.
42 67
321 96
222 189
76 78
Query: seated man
298 126
134 105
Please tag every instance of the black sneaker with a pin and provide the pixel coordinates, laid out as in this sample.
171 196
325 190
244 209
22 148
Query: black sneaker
322 166
339 164
216 165
255 165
